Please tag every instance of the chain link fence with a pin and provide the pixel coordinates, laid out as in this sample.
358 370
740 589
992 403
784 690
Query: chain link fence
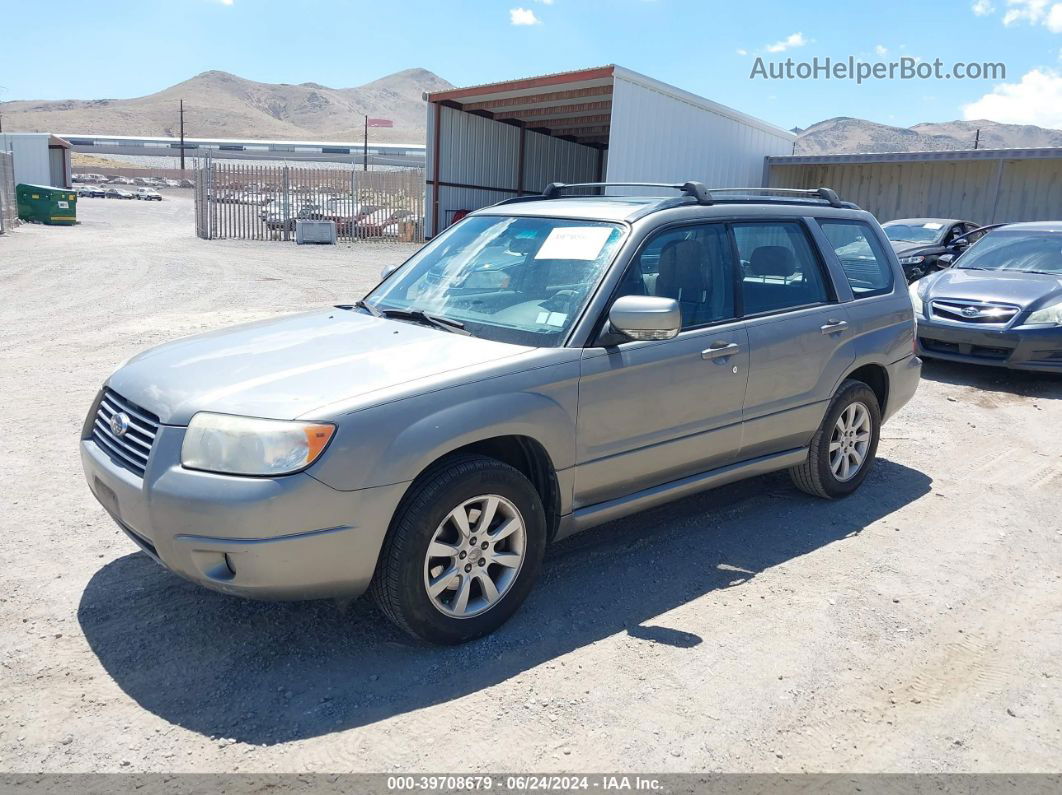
8 202
252 202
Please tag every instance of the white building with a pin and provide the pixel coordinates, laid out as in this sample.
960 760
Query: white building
607 124
39 158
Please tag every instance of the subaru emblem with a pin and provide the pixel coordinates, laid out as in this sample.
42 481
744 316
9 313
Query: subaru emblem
970 311
119 423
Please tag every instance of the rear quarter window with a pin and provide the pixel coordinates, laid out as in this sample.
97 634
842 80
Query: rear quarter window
865 263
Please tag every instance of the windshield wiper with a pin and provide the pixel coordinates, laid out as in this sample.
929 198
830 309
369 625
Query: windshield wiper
420 316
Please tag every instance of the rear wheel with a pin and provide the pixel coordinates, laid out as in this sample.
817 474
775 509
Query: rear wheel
842 450
463 551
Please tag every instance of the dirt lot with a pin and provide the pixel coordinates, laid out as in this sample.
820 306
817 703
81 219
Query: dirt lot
916 626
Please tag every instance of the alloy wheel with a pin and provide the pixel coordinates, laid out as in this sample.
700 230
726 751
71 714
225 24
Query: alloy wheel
850 441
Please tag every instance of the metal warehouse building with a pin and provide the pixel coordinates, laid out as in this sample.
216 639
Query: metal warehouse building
982 185
491 142
39 158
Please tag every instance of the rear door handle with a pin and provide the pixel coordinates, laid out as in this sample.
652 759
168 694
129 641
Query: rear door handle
720 350
834 326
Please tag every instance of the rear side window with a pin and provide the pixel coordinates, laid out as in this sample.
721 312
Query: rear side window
864 260
779 269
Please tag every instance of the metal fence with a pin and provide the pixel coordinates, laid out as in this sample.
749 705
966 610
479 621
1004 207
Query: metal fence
8 202
251 202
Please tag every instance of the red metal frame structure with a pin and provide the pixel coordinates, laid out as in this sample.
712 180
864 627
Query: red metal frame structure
574 106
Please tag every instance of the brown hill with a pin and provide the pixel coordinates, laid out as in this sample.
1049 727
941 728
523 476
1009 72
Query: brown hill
847 135
222 105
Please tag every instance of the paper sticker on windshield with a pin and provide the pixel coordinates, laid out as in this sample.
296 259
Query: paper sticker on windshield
933 225
574 242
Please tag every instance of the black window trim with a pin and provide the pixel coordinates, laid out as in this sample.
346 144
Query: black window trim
824 273
888 289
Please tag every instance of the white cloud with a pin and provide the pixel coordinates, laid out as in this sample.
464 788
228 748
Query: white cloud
1037 99
983 7
881 49
1035 12
226 2
743 51
523 16
794 40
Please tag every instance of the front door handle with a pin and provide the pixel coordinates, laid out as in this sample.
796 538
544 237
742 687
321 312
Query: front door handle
720 350
834 326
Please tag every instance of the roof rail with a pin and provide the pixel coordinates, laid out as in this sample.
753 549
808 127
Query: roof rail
695 190
827 195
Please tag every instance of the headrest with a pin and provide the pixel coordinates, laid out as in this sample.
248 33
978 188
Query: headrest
523 245
773 261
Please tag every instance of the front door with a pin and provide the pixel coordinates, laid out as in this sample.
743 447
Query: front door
654 412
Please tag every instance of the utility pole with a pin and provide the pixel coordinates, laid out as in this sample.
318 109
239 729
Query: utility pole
365 147
182 136
977 138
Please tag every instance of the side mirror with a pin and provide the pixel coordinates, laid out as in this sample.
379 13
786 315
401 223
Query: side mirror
387 271
646 317
945 260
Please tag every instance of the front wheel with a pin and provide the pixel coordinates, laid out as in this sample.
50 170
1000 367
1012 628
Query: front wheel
463 551
842 450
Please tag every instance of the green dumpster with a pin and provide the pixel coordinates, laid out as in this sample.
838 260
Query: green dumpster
47 205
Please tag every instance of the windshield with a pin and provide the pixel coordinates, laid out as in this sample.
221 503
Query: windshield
1016 251
509 279
926 232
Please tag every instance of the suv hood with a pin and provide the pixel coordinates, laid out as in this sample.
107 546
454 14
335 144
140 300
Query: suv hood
1009 287
904 248
284 368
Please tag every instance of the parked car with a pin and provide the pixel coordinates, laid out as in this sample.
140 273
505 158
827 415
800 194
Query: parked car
1000 303
92 191
920 242
427 442
148 194
118 193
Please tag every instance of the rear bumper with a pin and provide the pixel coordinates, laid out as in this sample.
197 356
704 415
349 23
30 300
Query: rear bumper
1037 349
268 538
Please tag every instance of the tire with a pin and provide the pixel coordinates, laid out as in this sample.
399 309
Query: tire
817 475
428 517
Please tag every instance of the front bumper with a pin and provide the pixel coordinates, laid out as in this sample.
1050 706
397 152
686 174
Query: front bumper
1021 348
290 537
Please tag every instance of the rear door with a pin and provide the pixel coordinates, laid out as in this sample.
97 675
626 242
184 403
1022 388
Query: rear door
798 334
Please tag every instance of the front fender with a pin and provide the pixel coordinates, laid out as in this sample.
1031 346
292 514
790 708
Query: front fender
395 442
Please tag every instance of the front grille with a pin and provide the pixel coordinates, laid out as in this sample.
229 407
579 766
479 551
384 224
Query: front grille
980 312
132 448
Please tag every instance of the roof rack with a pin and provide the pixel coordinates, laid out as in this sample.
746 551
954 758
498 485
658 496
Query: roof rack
701 194
827 195
695 190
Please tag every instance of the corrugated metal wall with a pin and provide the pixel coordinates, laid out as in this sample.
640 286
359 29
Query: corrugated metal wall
8 201
1028 190
474 150
656 137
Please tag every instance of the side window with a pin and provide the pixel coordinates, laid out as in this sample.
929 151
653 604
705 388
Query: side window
779 268
691 264
973 238
864 260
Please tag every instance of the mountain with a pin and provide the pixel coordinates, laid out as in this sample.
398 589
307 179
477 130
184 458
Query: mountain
843 135
222 105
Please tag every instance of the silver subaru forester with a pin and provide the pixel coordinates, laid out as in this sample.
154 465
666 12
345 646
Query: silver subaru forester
545 365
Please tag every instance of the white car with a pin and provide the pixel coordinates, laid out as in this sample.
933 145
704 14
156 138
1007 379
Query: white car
148 194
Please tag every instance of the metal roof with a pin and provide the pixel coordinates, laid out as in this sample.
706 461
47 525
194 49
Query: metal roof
1045 152
575 105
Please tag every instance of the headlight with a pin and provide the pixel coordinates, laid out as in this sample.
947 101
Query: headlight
917 260
250 446
916 299
1049 314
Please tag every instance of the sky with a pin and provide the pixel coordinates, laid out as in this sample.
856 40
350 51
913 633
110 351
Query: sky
78 50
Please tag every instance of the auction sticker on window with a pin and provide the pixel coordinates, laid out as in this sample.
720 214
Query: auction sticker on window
574 242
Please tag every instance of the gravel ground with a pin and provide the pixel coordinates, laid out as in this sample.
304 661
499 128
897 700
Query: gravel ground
915 626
